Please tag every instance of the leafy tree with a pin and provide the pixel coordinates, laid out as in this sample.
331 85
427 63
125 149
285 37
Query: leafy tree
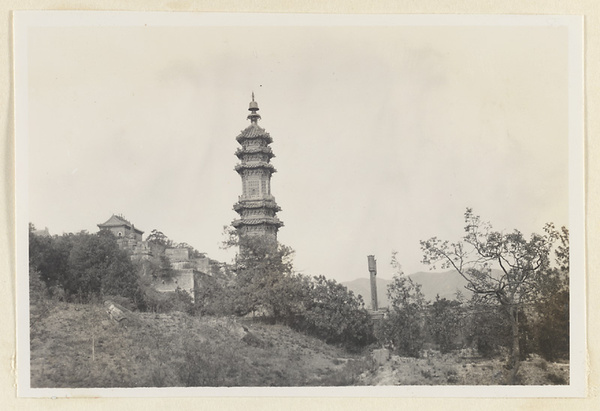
265 283
98 267
521 262
49 257
444 322
213 297
158 242
403 329
262 270
334 314
215 294
487 328
551 325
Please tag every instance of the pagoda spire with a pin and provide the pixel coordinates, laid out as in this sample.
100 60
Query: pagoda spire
253 116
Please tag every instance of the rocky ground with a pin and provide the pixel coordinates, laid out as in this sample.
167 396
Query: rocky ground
457 369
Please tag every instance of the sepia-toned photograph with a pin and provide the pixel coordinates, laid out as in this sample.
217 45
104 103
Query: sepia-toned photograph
256 204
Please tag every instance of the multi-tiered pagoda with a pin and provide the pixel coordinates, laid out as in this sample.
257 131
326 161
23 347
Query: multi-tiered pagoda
256 206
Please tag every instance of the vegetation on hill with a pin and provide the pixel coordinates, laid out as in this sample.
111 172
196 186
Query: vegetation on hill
520 313
83 267
266 285
76 345
525 273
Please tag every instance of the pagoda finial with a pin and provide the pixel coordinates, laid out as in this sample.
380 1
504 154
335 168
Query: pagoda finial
253 116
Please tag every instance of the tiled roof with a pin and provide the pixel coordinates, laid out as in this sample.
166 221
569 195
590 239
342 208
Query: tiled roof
254 131
118 221
253 150
115 221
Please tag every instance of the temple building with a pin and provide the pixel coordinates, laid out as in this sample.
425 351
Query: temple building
128 237
120 227
256 206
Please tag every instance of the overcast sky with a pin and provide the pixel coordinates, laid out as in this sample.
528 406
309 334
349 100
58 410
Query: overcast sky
382 135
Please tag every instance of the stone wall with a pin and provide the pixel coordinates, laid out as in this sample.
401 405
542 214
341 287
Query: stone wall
202 264
177 254
183 279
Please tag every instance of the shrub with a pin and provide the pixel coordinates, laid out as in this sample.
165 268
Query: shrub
266 284
160 302
444 322
488 329
403 329
334 314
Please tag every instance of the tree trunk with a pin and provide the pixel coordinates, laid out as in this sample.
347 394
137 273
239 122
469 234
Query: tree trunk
515 354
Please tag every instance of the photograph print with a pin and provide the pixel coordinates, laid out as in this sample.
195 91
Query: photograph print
231 204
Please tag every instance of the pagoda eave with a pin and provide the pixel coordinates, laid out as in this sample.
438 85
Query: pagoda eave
264 136
253 204
254 166
257 222
240 152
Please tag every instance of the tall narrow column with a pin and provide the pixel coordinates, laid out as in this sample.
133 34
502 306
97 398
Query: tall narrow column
256 206
373 275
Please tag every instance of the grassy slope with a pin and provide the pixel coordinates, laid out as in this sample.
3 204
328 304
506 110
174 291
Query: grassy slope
176 350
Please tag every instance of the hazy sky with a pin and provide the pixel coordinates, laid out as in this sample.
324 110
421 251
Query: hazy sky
382 135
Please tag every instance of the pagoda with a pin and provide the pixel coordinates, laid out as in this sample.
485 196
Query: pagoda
256 206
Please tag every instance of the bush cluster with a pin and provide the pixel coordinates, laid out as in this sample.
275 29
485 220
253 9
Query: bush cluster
89 268
266 287
83 267
412 324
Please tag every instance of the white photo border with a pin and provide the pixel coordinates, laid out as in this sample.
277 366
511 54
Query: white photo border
23 20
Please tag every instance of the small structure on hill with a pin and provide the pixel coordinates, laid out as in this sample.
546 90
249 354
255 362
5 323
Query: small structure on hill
128 237
189 271
121 228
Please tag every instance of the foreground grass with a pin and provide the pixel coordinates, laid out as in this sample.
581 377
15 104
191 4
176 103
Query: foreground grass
78 346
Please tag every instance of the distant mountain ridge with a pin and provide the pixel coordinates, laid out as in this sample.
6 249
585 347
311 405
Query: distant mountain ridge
446 284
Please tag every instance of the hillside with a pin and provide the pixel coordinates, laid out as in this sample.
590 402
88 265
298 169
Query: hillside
445 284
78 346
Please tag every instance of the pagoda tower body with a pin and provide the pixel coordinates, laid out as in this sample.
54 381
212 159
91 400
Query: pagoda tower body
256 206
